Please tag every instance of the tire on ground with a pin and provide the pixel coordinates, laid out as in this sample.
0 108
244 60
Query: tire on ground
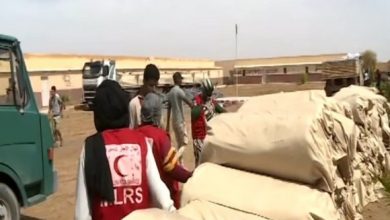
8 198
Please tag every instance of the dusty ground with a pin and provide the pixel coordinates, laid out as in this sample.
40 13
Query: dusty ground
78 124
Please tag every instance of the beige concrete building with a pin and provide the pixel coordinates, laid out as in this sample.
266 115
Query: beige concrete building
277 65
277 69
64 71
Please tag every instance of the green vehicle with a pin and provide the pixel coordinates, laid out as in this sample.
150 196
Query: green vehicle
27 174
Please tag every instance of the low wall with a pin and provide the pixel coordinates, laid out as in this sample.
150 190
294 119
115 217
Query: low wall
273 78
243 80
75 95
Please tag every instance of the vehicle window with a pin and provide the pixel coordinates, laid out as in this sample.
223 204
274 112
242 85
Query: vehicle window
19 82
106 70
91 71
9 89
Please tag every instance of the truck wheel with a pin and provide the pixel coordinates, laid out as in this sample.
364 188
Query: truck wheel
9 206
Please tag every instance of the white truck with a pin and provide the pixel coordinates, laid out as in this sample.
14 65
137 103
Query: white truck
95 72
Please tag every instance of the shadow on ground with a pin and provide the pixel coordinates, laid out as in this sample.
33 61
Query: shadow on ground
24 217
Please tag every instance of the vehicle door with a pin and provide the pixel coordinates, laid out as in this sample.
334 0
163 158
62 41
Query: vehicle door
20 141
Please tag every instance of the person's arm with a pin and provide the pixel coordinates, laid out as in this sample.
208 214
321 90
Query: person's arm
168 118
132 114
61 103
49 109
185 99
82 211
218 107
158 189
188 102
171 165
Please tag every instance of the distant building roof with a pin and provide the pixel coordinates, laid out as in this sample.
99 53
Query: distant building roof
285 60
63 62
100 56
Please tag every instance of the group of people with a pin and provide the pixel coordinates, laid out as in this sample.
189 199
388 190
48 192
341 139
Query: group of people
203 108
131 163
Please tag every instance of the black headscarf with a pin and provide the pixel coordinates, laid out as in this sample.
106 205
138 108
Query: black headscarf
111 109
110 112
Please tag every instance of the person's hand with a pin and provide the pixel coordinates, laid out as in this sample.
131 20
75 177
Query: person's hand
171 208
181 151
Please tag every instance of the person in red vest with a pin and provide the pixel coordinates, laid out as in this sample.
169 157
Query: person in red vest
205 108
171 171
117 171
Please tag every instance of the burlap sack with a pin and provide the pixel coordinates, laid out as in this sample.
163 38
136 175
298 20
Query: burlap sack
276 139
203 210
365 104
369 111
154 214
284 146
257 194
344 144
285 102
196 210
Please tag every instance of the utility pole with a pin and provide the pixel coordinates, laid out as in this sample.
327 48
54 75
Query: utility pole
235 60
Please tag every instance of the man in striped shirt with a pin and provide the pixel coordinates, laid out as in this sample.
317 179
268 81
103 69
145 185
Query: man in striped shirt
205 108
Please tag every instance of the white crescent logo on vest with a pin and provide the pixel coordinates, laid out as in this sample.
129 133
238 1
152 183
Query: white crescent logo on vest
125 164
116 166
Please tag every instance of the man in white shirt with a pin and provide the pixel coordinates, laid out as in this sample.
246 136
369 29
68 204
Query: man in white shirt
150 81
56 107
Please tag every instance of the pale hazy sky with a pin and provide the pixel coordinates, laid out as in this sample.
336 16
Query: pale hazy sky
199 28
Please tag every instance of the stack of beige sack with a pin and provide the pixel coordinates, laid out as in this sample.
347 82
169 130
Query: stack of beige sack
369 112
289 156
301 138
296 138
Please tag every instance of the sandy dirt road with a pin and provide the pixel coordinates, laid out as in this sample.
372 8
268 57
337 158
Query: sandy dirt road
77 125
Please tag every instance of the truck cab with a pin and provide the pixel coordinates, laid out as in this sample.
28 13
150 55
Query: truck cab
94 73
27 174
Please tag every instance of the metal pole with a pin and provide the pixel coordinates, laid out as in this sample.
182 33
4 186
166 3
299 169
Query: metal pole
235 60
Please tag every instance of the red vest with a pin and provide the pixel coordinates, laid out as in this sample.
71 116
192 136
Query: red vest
126 151
160 137
199 125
